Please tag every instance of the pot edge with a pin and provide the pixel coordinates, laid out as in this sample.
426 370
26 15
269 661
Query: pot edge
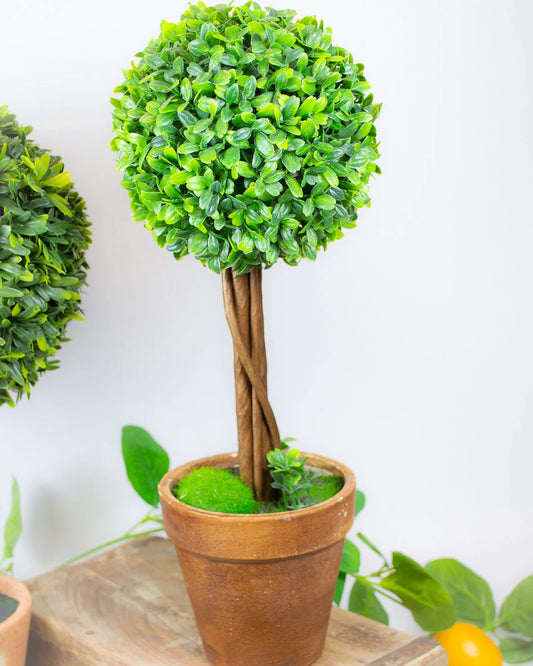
168 482
22 595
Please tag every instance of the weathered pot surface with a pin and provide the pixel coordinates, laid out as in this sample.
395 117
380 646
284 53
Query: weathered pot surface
261 586
14 631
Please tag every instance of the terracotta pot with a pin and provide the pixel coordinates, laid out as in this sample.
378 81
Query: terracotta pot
15 629
261 586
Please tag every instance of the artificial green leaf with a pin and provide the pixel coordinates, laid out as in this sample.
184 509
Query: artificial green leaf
178 177
13 524
242 135
249 87
351 558
263 145
307 106
364 601
7 292
307 129
198 243
170 31
260 189
146 462
325 201
516 613
197 184
246 244
308 208
208 155
290 107
331 177
516 650
41 165
291 162
231 157
339 588
471 595
232 94
294 187
360 501
186 89
369 543
269 111
201 125
59 181
274 189
245 170
60 203
428 600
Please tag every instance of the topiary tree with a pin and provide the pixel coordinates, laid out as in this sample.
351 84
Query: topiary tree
246 137
44 234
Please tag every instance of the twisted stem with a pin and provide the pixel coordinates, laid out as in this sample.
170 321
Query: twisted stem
256 424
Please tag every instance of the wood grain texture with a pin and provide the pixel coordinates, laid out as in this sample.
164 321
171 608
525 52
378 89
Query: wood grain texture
129 606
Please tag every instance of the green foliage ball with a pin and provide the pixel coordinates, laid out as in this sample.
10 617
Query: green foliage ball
216 490
245 136
43 238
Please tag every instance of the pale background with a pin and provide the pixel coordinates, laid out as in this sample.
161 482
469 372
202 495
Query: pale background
405 351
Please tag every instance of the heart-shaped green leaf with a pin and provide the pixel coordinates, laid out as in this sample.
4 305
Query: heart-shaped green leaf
471 595
146 462
516 613
364 601
428 600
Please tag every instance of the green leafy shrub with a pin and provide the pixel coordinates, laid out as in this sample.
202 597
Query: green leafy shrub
299 486
43 237
245 136
216 490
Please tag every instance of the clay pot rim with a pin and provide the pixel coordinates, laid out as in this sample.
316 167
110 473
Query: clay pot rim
169 481
16 590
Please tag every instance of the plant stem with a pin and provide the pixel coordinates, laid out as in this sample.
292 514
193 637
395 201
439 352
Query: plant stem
379 590
256 424
126 536
147 519
494 625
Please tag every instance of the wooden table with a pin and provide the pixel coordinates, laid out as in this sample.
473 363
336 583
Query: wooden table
128 607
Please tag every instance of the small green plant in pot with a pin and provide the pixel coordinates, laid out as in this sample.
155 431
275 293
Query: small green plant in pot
246 136
15 598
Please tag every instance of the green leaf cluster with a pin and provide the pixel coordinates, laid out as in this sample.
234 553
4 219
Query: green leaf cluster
299 485
473 602
43 238
438 595
245 136
289 476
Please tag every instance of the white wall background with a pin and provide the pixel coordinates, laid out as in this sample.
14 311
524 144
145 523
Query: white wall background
405 350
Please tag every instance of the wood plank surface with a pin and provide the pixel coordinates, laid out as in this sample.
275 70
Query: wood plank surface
129 606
